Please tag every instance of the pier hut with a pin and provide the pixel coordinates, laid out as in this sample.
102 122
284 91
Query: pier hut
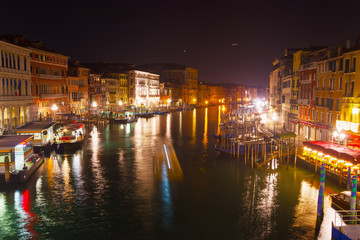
43 132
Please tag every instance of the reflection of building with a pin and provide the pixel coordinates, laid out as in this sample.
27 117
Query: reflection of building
16 99
144 88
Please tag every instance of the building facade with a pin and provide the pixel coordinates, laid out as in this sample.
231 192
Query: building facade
49 79
16 100
144 88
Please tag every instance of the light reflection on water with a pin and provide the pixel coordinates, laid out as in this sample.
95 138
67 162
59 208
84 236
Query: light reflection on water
108 189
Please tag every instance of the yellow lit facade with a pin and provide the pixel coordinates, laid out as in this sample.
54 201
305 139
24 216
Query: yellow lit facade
349 120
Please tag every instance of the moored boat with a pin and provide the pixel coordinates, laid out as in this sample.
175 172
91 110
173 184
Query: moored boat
342 200
145 115
124 117
70 137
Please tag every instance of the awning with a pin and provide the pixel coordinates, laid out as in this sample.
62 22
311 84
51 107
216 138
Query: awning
312 124
340 152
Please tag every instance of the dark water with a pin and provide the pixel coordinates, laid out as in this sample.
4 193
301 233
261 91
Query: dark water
108 190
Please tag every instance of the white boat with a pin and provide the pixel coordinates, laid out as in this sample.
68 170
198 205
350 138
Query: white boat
70 137
124 117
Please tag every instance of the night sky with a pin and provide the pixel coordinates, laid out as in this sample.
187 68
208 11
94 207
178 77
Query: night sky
228 41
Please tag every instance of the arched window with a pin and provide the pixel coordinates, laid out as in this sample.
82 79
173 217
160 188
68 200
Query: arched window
26 88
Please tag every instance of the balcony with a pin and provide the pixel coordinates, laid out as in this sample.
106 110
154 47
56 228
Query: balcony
51 77
307 66
305 81
304 101
293 101
16 98
292 115
51 96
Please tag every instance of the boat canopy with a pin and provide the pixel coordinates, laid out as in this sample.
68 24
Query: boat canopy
8 142
35 127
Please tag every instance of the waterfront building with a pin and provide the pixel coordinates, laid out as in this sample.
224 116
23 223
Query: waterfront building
293 114
217 94
329 92
275 92
348 119
73 93
280 86
203 96
306 98
123 87
80 98
49 78
95 89
112 86
185 82
144 88
165 94
16 100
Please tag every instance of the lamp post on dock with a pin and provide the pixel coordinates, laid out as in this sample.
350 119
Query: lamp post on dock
54 108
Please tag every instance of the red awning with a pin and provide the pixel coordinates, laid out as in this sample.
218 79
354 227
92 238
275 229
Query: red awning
314 124
341 152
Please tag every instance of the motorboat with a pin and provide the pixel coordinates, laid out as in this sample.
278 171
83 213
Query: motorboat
125 117
70 137
342 200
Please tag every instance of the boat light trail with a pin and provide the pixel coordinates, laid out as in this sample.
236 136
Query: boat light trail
167 157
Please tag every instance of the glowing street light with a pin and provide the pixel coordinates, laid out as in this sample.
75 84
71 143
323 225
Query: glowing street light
54 108
94 104
121 103
339 136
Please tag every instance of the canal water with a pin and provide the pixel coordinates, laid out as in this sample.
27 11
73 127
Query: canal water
108 190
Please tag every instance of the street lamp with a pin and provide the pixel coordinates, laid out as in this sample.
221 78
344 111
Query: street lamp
339 136
54 108
274 118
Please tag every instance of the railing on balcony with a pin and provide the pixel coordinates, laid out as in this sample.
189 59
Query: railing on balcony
292 115
305 81
307 66
16 98
293 101
52 77
303 101
56 95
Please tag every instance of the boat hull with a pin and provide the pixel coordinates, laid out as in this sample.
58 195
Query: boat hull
341 204
68 147
124 121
